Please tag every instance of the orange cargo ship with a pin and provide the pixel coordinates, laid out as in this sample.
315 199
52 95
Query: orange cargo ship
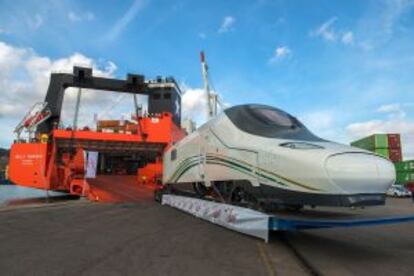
63 159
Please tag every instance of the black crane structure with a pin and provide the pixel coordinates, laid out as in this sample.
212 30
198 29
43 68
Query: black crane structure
163 94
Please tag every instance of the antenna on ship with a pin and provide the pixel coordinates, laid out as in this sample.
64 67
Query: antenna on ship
212 99
204 70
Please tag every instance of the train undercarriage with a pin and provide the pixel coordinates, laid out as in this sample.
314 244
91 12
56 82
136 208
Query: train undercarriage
267 198
239 193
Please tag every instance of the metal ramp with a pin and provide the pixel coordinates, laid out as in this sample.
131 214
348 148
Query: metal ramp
118 189
283 224
260 224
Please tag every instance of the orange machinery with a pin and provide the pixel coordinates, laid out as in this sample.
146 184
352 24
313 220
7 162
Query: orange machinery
54 159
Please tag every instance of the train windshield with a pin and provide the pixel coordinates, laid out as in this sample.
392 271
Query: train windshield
269 122
272 116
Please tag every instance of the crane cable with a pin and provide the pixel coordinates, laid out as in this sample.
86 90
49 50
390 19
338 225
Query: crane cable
110 108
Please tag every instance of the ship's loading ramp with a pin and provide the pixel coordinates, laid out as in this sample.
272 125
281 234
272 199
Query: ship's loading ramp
114 160
122 162
118 188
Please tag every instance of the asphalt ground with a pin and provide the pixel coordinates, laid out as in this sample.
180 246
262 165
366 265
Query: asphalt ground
145 238
374 250
141 238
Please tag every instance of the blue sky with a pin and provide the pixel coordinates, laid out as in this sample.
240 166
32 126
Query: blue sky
344 67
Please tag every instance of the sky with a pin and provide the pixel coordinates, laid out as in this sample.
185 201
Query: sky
345 68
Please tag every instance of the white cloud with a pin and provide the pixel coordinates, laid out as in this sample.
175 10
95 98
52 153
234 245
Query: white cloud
389 108
24 78
280 53
318 120
194 104
74 17
348 38
394 111
227 24
326 30
123 22
323 123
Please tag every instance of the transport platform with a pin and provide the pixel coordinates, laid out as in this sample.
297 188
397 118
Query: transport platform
260 224
284 224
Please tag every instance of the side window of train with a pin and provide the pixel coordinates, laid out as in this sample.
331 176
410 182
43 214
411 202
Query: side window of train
173 154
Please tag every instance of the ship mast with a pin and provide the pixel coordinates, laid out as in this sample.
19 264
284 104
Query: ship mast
204 70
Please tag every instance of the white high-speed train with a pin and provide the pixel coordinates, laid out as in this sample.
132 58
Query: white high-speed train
261 155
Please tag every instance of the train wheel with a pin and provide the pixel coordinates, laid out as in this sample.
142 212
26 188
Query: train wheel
237 195
161 190
200 190
158 195
240 197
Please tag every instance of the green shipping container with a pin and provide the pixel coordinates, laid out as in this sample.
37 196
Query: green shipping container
404 177
372 142
405 166
382 152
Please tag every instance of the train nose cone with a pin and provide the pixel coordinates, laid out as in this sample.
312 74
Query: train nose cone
360 173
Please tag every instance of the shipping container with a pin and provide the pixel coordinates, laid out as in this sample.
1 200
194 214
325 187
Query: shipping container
404 177
406 166
382 151
108 123
395 154
372 142
394 140
112 123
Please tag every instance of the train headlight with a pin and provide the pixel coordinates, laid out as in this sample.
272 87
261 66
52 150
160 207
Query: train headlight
300 145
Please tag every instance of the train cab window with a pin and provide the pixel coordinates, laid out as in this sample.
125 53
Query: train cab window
272 116
156 96
267 121
173 154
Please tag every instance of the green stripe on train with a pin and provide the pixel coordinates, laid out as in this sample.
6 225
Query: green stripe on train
235 164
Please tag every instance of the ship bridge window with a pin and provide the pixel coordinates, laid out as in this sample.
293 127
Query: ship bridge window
156 96
267 121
